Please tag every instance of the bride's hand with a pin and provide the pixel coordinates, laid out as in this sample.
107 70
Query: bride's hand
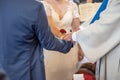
67 37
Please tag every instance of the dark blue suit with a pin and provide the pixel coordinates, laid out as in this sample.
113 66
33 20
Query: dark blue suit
24 32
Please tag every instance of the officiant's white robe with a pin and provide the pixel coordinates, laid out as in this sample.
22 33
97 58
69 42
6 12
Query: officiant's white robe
100 41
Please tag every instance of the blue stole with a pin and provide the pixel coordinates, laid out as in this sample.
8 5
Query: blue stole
102 8
96 17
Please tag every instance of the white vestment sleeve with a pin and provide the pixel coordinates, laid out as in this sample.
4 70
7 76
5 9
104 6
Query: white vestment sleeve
103 35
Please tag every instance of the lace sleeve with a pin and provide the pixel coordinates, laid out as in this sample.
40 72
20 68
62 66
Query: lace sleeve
75 11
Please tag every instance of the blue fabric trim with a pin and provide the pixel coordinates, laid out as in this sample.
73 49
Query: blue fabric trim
102 8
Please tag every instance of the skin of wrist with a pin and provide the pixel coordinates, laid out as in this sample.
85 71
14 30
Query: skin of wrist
59 35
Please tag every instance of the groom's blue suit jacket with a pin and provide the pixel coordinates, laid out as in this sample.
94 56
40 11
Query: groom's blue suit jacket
24 32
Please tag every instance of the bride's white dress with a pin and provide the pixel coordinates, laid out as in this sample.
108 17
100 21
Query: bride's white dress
60 66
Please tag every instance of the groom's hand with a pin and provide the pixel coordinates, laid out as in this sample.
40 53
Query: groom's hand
2 76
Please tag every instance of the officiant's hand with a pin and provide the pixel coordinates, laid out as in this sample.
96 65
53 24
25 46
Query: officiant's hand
80 53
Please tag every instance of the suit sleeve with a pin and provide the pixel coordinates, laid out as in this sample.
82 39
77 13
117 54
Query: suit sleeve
45 36
103 35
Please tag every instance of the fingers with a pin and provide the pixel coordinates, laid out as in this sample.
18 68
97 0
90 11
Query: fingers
67 37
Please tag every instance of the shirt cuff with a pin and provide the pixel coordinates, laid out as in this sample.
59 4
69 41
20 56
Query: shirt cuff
74 36
74 33
81 27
